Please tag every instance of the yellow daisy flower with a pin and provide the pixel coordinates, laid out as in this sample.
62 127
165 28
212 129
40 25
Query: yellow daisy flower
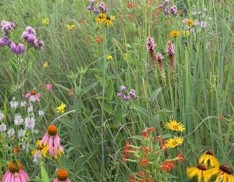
174 34
109 21
61 108
190 22
71 27
109 57
40 148
199 171
101 18
186 33
223 172
174 142
45 21
209 159
45 65
175 126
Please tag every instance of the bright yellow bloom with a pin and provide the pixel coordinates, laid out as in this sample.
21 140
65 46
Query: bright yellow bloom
61 108
109 57
174 34
109 21
189 22
71 27
199 171
223 172
174 142
45 65
40 148
208 159
101 18
45 21
186 33
175 126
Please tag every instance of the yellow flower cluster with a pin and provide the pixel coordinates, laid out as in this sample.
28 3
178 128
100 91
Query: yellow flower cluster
209 169
103 18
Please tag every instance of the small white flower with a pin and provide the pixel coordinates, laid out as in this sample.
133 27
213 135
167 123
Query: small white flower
14 104
11 132
30 108
18 120
29 123
1 116
196 23
2 127
203 24
41 113
23 103
21 133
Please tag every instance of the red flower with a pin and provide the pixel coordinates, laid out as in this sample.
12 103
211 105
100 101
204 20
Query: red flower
180 158
99 39
144 161
167 166
151 129
145 134
131 178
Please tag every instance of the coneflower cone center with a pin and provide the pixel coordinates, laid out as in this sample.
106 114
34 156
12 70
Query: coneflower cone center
225 168
201 167
62 174
14 169
52 130
33 92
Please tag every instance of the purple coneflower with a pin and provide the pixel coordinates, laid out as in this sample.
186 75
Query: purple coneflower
52 139
33 96
61 176
15 173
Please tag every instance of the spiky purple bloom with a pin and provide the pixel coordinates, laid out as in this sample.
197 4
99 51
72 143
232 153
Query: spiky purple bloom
17 48
166 2
159 58
174 10
5 41
166 11
150 44
7 26
96 11
30 37
30 30
90 7
102 7
170 49
38 44
162 6
132 94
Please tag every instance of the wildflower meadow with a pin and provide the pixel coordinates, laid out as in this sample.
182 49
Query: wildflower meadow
117 91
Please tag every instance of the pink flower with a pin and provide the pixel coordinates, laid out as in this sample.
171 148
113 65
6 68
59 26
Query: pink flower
48 86
52 139
15 173
33 96
61 176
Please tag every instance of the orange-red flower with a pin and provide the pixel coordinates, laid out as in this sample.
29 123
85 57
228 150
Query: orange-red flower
144 161
167 166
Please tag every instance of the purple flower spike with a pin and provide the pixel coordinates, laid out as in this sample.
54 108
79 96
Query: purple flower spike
96 11
166 2
132 94
5 41
150 44
17 49
123 88
166 11
102 7
174 10
90 7
38 44
30 30
7 26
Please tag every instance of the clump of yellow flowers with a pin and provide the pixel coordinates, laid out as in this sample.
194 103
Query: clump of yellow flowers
209 169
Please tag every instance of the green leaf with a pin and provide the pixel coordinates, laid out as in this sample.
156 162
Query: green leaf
155 94
44 174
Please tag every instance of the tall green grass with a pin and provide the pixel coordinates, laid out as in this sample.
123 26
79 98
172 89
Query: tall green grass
199 93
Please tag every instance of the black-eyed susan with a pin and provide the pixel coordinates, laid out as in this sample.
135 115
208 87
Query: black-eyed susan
174 142
40 149
223 173
100 18
175 126
109 21
209 159
189 22
174 34
200 172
